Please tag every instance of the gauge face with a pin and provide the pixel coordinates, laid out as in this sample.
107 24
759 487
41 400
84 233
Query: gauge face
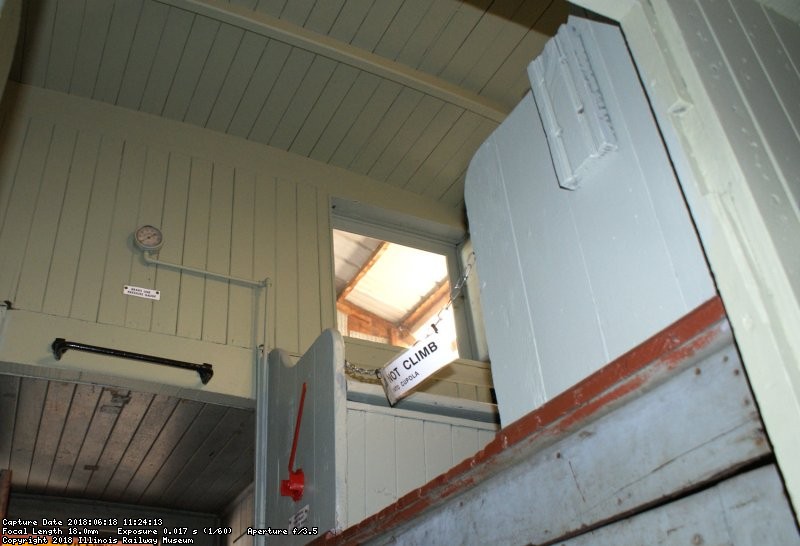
148 238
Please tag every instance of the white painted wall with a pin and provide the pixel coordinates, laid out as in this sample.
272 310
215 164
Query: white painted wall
723 81
391 452
572 279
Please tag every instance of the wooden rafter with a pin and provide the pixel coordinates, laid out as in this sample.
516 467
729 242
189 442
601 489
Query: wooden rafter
431 305
373 258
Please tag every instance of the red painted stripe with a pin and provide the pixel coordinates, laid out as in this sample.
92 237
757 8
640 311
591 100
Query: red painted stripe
614 383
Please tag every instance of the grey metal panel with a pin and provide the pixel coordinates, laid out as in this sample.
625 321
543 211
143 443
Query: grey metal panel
321 451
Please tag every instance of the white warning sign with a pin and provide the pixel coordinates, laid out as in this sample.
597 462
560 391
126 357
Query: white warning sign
412 367
146 293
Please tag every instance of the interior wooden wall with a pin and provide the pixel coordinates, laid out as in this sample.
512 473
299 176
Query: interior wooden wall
76 179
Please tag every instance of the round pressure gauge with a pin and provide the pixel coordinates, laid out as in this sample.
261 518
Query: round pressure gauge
148 238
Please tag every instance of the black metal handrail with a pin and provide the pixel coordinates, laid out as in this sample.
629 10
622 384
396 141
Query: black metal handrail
60 345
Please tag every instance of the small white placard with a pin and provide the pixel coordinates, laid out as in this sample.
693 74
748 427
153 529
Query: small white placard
146 293
300 518
412 367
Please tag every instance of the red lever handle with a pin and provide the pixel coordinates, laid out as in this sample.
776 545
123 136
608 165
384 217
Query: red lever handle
293 487
297 427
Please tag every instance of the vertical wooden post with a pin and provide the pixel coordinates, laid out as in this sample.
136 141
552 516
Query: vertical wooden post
5 491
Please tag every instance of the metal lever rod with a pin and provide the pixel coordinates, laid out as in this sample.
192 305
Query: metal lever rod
297 428
60 346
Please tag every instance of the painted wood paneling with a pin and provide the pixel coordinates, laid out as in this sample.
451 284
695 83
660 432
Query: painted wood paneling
339 125
113 304
393 451
758 115
193 60
161 76
25 186
120 29
144 46
115 445
41 237
601 268
75 196
107 171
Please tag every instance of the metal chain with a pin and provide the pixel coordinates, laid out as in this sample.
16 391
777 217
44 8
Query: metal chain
455 292
368 375
365 375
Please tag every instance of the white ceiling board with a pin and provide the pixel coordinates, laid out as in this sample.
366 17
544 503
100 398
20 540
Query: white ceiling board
393 89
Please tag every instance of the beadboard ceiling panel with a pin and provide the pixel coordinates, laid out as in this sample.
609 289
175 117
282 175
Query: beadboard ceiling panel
107 444
403 91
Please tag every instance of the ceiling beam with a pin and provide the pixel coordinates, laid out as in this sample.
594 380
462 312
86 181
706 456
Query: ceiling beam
373 258
297 36
430 306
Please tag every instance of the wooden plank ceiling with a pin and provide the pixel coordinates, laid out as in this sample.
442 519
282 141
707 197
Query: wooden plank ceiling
92 442
403 91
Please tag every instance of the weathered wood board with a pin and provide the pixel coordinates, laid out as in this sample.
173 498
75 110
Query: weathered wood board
671 437
746 510
321 448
